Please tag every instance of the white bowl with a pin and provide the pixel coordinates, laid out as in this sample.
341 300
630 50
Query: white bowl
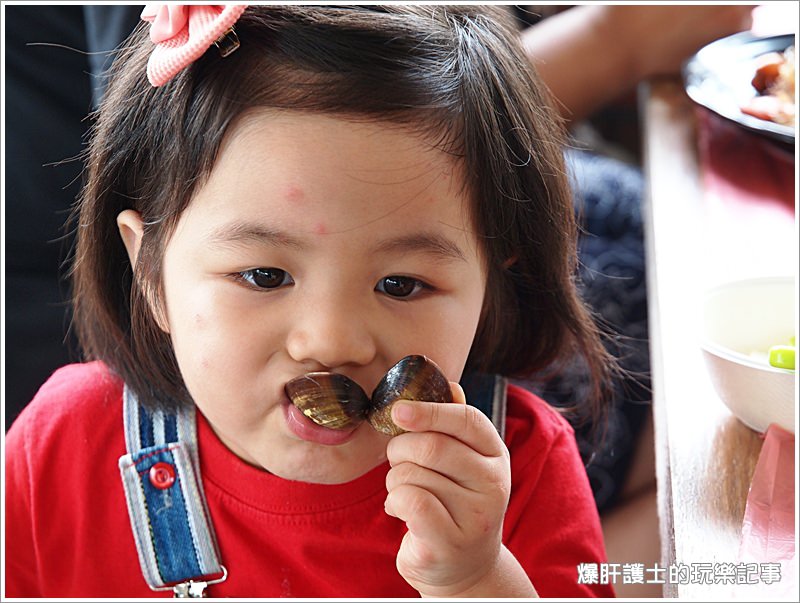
742 318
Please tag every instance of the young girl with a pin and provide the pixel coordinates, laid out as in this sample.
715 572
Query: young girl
305 189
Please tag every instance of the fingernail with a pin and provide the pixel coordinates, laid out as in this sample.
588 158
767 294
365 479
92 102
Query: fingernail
459 397
402 412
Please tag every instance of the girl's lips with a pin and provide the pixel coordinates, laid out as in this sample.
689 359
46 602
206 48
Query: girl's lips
305 429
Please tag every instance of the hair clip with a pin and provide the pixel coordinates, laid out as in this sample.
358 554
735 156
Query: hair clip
227 43
183 32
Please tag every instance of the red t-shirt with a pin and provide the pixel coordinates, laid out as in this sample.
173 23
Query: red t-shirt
68 534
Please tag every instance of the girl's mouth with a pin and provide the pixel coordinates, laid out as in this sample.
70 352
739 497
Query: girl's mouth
305 429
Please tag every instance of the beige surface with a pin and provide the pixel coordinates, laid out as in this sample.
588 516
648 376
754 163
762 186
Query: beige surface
705 457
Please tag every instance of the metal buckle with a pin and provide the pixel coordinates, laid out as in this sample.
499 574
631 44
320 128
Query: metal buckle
194 589
190 590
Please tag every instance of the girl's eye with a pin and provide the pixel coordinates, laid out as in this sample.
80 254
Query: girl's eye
400 286
267 278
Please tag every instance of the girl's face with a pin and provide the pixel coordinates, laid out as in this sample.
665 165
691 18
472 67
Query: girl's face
317 244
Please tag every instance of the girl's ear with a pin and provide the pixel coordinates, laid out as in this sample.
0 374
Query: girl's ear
131 230
130 227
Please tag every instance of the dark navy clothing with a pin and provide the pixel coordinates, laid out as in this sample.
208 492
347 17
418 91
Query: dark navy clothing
608 195
50 52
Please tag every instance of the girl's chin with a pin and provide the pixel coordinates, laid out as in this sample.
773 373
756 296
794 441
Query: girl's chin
303 451
326 465
328 479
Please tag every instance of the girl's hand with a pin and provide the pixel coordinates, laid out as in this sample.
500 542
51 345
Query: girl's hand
450 480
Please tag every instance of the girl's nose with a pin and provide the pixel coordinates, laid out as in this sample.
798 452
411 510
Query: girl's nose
331 332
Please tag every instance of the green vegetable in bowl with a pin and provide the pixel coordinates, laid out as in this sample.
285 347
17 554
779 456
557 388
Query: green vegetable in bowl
782 356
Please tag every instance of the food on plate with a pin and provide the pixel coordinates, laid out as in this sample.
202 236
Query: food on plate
774 84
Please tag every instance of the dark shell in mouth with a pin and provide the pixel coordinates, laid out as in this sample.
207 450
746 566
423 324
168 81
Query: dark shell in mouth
329 399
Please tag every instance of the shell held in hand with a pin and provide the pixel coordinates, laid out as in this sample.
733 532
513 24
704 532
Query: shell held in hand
329 399
413 378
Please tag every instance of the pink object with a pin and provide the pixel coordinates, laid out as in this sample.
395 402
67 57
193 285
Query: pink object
182 33
768 528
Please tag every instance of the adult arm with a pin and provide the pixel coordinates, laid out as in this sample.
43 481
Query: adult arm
590 55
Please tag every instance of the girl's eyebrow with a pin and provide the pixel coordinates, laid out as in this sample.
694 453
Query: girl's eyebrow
238 232
432 244
241 232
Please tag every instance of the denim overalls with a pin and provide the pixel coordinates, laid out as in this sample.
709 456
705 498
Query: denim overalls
174 537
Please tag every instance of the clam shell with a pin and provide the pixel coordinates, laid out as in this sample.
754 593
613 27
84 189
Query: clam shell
329 399
413 378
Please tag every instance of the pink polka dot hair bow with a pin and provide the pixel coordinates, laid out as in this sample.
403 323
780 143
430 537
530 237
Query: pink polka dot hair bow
183 32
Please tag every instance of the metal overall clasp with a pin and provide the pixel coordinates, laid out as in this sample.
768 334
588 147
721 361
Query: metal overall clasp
194 589
190 589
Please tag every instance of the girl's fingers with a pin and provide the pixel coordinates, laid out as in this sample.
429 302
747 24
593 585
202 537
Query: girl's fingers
449 457
459 397
455 499
411 473
423 513
461 421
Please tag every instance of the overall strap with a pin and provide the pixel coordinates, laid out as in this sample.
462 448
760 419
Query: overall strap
166 505
488 394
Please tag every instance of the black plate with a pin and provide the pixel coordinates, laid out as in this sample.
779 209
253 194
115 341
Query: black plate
718 77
